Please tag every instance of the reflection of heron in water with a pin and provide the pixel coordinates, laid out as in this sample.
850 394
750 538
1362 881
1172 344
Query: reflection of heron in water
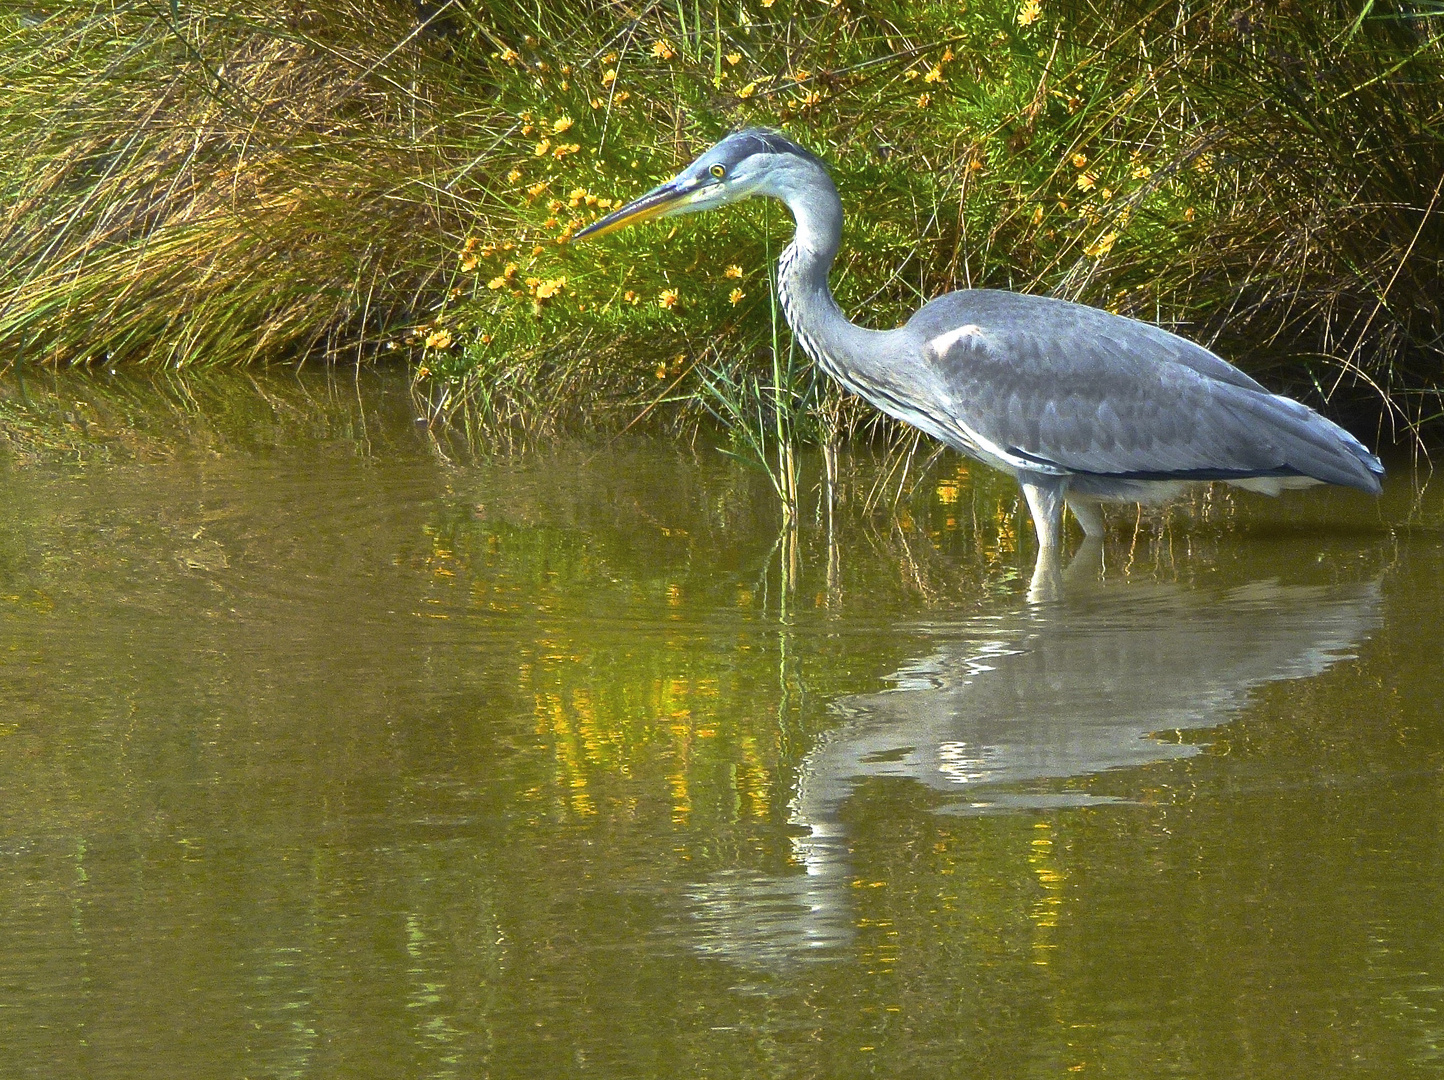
1003 704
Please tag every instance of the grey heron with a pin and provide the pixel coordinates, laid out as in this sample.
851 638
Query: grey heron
1082 406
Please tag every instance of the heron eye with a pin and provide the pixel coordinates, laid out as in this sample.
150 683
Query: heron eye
719 171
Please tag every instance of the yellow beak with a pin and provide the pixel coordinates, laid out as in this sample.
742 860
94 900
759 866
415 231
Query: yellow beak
652 205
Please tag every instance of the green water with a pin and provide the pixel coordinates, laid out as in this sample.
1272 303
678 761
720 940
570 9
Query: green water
328 749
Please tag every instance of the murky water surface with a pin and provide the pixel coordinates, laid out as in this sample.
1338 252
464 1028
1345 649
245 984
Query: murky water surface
327 750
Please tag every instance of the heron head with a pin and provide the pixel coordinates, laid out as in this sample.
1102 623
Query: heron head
750 162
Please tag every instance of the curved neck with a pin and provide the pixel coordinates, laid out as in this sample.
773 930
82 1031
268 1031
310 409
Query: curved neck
818 324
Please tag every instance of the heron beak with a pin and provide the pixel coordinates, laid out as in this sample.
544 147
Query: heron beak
654 204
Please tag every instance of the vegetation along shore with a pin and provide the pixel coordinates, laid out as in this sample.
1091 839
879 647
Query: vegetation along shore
230 183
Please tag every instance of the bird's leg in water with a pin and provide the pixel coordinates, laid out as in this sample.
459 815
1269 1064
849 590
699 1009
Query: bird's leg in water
1086 564
1045 500
1088 514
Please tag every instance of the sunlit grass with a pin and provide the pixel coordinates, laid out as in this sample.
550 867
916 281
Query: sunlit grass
222 184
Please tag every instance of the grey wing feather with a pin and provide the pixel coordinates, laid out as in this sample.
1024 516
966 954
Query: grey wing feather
1077 389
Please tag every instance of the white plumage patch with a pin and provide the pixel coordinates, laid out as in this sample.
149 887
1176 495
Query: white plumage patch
940 345
1272 485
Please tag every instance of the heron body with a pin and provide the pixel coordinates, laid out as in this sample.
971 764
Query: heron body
1082 406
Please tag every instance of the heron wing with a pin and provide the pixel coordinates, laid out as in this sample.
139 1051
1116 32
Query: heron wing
1067 388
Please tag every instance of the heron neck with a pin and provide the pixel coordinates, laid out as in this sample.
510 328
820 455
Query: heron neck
817 322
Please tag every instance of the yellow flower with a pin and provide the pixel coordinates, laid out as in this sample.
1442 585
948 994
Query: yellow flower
747 91
662 49
924 100
1080 161
801 76
542 148
1030 12
561 124
563 149
1102 246
547 289
439 339
736 296
1142 172
732 271
496 283
513 176
734 58
468 263
1188 214
630 297
578 196
510 56
1087 182
662 370
1038 214
768 3
668 299
934 75
609 76
537 188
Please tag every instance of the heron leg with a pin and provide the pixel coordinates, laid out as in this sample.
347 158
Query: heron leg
1088 514
1045 500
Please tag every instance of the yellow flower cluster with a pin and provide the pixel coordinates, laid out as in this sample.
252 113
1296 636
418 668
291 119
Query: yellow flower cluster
1030 12
668 299
501 280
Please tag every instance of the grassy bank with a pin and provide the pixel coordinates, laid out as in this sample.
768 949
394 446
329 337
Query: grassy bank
214 184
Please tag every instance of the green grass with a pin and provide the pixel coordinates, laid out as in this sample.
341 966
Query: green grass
225 183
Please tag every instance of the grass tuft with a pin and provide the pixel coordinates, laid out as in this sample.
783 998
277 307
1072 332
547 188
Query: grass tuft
230 183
